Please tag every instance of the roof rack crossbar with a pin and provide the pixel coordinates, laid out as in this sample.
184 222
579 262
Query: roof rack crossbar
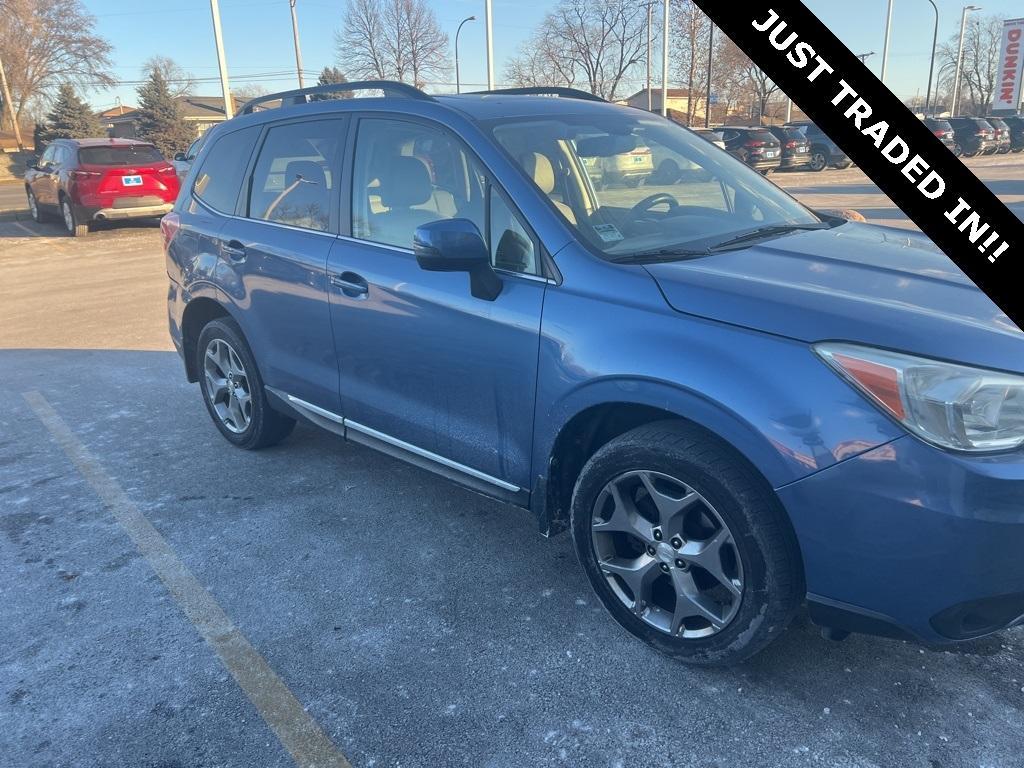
302 95
540 90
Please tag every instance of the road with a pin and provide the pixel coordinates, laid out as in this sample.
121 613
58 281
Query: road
414 623
12 196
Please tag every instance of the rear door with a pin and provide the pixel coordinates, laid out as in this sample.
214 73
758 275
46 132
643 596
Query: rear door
273 256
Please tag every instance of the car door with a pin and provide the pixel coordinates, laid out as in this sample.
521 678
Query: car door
423 364
43 184
273 256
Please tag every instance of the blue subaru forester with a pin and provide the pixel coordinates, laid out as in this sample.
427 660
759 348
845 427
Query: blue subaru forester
736 404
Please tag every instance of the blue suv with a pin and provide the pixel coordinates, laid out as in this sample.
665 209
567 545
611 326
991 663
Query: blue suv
735 404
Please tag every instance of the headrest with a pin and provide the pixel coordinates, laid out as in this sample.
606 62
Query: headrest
311 172
539 169
405 182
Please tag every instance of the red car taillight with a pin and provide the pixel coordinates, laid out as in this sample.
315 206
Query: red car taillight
169 225
790 145
80 175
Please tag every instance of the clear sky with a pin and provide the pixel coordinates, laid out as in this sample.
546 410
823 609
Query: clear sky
258 40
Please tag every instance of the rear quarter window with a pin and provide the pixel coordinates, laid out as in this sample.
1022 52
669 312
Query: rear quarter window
219 178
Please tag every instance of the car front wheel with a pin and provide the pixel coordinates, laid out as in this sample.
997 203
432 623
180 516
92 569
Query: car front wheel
33 206
233 390
685 545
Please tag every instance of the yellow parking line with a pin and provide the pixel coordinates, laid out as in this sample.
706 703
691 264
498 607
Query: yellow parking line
300 734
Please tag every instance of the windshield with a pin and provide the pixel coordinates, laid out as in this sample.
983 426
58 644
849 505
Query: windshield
633 184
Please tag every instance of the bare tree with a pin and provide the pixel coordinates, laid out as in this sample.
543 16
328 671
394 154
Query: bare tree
692 36
541 61
745 82
980 70
392 39
47 43
179 81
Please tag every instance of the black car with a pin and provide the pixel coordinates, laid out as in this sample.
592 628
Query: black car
796 149
973 135
1016 124
944 131
824 151
1003 141
755 146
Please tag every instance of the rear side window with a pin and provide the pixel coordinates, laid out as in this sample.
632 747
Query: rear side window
142 154
294 180
220 176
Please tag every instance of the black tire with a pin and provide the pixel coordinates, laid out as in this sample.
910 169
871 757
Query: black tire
773 585
38 214
958 150
843 166
72 225
819 160
266 426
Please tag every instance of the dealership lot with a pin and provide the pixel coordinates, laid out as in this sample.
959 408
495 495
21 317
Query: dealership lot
416 623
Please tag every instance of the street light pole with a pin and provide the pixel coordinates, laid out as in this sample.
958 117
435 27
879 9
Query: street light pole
229 109
885 50
298 50
664 63
458 83
960 57
711 63
490 46
931 67
650 20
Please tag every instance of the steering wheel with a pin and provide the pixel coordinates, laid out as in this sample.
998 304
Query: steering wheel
652 200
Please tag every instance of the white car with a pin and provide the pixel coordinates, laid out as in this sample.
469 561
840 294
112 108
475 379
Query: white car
711 136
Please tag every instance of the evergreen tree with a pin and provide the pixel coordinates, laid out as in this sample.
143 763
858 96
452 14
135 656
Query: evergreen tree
160 119
39 134
72 118
332 76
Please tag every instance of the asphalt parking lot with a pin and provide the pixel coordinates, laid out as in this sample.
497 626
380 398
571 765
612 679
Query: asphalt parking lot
370 613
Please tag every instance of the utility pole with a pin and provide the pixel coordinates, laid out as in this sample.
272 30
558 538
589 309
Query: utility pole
490 45
931 67
9 106
711 65
664 63
885 50
229 109
960 58
298 50
650 20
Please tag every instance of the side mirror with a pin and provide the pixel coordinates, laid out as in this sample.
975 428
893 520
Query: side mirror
180 157
455 245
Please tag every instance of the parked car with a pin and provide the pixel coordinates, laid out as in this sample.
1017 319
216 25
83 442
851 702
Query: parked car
796 149
825 153
628 168
85 180
719 392
756 147
713 136
944 132
1003 141
1016 123
182 161
973 135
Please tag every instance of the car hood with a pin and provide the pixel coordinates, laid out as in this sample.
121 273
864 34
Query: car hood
857 282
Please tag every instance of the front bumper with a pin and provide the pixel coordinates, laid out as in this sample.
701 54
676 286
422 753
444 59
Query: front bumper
909 540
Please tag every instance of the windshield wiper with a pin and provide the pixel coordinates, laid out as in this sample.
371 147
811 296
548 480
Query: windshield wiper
661 254
763 232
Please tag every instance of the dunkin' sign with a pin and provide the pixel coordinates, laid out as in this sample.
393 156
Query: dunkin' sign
1011 66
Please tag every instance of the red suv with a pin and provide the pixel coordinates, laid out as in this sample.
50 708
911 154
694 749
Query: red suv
86 180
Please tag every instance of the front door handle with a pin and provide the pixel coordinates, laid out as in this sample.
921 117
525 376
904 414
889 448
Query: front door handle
233 250
351 284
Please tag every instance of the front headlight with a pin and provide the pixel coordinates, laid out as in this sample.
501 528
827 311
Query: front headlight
953 406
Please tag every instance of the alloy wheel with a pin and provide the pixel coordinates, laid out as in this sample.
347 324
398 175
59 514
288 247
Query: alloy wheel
818 161
667 554
69 216
33 206
227 386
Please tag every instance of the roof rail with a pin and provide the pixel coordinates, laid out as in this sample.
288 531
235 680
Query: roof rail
541 90
302 95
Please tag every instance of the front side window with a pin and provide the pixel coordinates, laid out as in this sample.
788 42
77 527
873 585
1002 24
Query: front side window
293 181
220 177
407 174
634 185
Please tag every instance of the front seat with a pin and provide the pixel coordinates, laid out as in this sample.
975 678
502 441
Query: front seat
305 200
541 171
404 185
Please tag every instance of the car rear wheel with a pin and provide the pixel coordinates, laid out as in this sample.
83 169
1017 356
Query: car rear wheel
685 546
844 165
819 160
71 223
233 390
958 150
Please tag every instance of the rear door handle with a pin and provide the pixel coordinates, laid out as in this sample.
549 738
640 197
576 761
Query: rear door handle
351 284
234 250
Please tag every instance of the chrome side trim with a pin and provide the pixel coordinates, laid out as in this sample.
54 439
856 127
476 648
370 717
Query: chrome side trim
349 424
302 405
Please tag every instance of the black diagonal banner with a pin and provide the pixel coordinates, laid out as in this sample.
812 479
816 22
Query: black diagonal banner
895 149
